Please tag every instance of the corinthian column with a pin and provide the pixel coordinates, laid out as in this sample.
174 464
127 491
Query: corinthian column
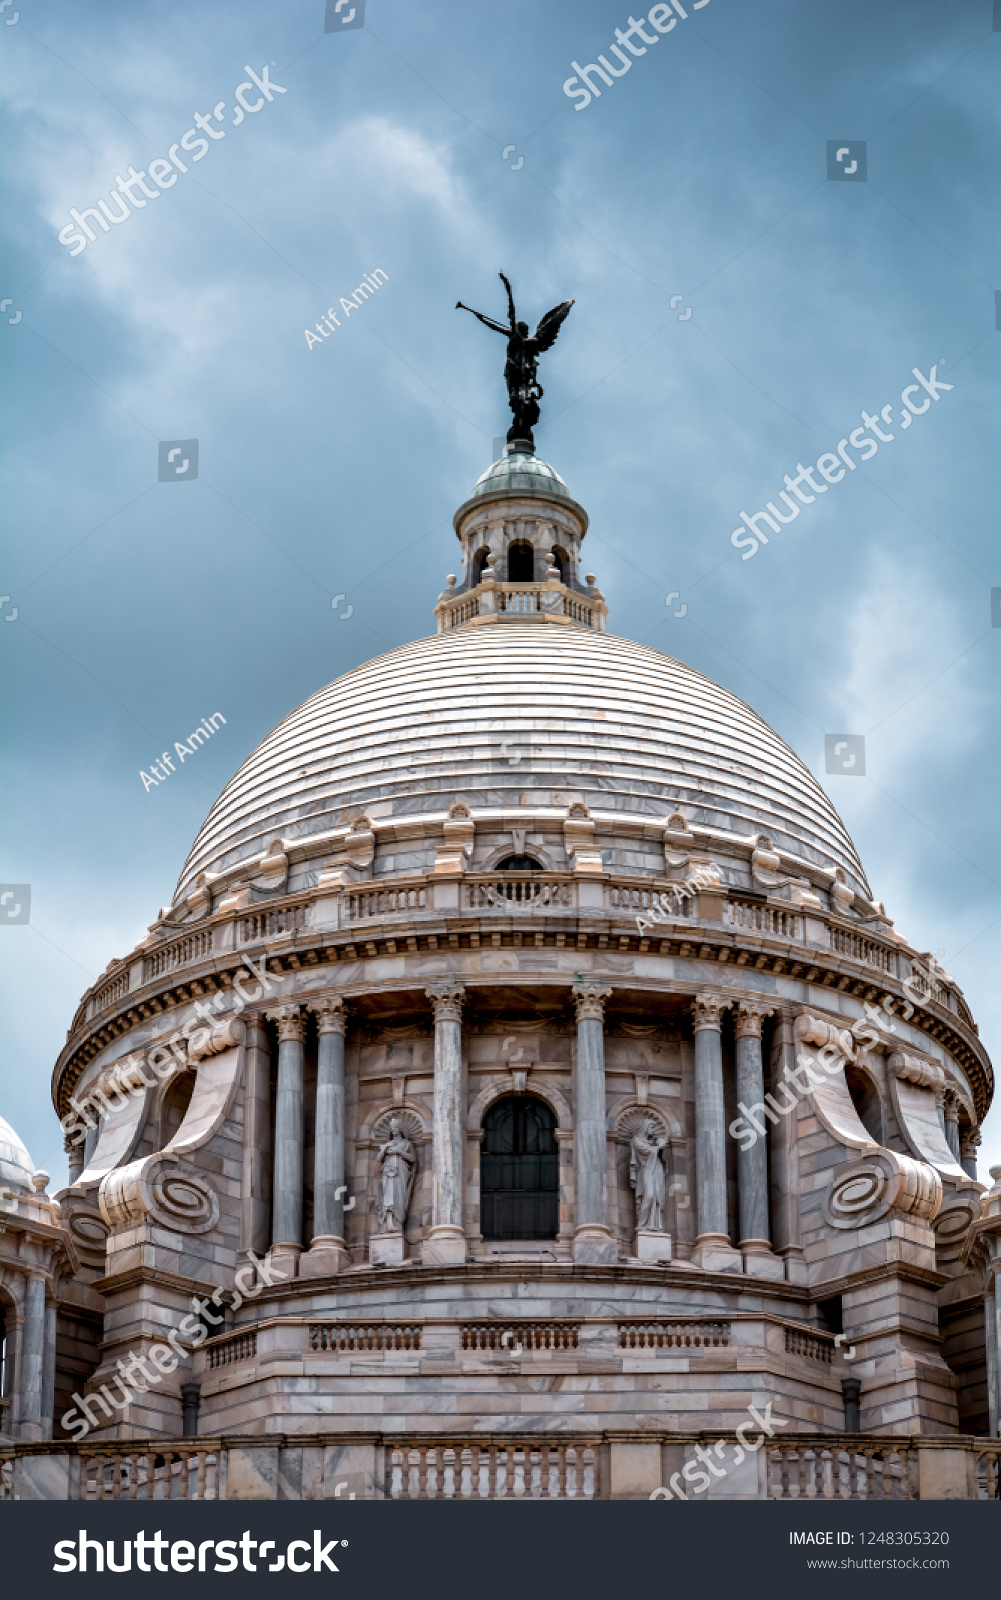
952 1125
286 1227
752 1161
593 1241
327 1243
713 1250
446 1243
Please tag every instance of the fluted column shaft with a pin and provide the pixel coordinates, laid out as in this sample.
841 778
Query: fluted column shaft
32 1358
328 1154
752 1163
593 1240
785 1160
286 1228
710 1120
255 1217
446 1244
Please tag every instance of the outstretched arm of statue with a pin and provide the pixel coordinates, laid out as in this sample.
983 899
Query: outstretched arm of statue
488 322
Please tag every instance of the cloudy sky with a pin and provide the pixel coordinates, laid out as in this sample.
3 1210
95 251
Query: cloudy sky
333 470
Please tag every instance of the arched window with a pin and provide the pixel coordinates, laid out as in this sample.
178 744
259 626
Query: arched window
521 563
865 1099
560 559
480 560
518 864
519 1170
175 1105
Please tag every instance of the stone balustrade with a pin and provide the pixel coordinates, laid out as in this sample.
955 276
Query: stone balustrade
283 1339
612 1465
619 901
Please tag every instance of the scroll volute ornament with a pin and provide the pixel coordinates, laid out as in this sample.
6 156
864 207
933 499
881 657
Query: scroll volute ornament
159 1189
866 1191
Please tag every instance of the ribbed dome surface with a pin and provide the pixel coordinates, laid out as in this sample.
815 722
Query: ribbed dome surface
581 715
521 474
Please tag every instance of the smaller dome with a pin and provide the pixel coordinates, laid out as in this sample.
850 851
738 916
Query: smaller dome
16 1166
520 473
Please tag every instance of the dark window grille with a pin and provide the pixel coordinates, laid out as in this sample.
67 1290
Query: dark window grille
519 1171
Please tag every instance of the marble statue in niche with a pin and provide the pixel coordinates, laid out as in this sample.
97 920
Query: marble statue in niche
397 1159
646 1176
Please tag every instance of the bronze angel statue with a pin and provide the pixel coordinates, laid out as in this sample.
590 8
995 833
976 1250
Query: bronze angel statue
524 391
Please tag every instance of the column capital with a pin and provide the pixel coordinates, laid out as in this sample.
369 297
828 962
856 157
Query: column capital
707 1011
748 1018
969 1143
446 999
290 1020
331 1014
589 999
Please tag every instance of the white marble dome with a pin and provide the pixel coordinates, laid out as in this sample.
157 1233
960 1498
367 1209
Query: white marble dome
522 715
16 1166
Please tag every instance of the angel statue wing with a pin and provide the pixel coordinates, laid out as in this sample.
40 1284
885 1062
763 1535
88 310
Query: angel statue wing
549 326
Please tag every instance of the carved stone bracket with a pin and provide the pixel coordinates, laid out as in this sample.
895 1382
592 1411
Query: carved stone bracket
460 833
913 1070
221 1036
578 840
